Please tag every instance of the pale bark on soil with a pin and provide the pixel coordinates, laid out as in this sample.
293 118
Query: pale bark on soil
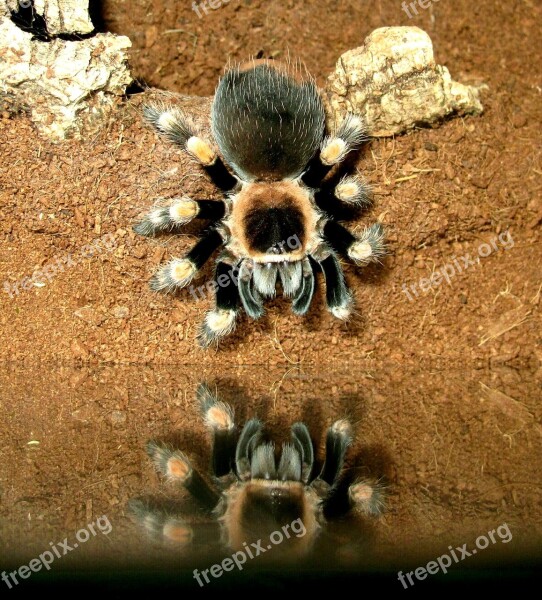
395 84
66 86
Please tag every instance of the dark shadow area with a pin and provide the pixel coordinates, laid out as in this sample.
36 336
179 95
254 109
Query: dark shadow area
138 86
27 19
162 578
96 12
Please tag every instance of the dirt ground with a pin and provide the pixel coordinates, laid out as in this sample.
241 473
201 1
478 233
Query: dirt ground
445 387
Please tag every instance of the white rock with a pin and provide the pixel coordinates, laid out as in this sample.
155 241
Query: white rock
395 84
65 85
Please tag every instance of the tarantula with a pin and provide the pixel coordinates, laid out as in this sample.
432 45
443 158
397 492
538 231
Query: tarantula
268 123
252 493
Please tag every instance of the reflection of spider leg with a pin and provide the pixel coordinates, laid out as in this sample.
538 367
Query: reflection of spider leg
250 437
218 417
167 523
178 469
338 439
366 497
303 443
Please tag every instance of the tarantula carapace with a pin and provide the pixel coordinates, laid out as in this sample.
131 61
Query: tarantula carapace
273 223
255 491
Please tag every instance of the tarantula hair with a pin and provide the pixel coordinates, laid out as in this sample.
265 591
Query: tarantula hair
253 492
274 221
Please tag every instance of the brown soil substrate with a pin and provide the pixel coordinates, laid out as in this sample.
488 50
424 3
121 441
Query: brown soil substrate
458 443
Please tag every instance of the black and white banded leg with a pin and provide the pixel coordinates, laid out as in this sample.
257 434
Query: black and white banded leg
366 247
173 124
250 437
167 219
219 419
177 468
349 136
338 439
353 190
303 298
338 297
303 443
220 321
165 524
179 272
366 497
250 296
328 484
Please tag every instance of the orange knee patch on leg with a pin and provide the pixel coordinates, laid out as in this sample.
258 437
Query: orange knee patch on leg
333 151
347 190
178 533
168 120
178 468
362 492
220 320
361 251
201 150
183 210
181 270
342 427
219 418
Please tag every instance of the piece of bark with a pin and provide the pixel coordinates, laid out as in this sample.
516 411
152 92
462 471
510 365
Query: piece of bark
395 84
66 86
392 81
61 16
